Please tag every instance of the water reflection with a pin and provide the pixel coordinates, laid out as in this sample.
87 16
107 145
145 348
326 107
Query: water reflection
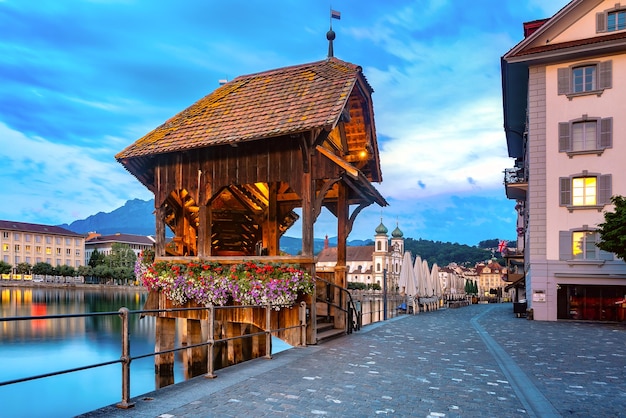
40 346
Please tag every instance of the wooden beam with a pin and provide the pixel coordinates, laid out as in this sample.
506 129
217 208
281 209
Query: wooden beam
350 170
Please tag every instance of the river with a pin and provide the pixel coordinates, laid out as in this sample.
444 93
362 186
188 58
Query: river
29 348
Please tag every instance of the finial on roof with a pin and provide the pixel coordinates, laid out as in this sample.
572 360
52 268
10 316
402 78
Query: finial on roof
330 35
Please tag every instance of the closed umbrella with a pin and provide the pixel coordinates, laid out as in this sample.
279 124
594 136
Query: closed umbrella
407 282
419 275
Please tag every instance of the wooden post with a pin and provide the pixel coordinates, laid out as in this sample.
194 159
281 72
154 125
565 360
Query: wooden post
307 215
165 339
197 356
342 237
159 247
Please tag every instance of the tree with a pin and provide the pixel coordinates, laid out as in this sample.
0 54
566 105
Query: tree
96 259
5 268
613 230
44 269
66 270
121 256
23 268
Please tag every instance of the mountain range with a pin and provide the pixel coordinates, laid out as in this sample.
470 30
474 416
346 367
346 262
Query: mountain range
137 217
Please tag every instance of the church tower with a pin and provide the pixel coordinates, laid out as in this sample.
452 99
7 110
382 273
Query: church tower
380 253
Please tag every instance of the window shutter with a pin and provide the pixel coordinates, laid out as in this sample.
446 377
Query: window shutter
604 189
563 80
600 22
565 189
606 133
605 255
565 245
565 142
606 74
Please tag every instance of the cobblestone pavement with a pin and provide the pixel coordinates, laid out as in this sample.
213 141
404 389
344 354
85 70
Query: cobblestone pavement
476 361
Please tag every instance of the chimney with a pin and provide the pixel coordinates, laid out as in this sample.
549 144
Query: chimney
531 27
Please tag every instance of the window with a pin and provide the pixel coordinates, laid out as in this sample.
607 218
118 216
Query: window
68 251
38 239
580 245
17 248
27 237
68 241
57 240
5 234
585 135
58 251
16 236
584 78
587 78
38 249
5 247
48 250
611 20
585 190
27 248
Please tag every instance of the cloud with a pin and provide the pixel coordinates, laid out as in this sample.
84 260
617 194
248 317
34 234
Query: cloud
45 182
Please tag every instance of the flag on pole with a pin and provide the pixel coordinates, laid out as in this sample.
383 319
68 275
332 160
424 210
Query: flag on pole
502 246
334 14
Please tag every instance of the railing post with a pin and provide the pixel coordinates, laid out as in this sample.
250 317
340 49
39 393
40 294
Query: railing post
268 334
211 344
303 324
125 403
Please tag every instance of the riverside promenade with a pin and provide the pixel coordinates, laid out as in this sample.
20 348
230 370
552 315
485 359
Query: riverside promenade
476 361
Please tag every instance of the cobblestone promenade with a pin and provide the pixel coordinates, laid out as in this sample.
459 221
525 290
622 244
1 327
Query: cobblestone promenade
476 361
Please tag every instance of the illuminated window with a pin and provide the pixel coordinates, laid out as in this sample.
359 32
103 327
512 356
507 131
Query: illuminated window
580 245
585 190
27 248
584 245
48 250
5 247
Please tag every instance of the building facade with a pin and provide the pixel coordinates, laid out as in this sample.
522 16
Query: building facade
369 264
564 86
35 243
104 243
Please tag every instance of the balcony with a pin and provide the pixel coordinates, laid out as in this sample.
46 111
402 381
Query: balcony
515 183
514 261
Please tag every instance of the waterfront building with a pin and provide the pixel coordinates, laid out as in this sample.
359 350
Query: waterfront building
35 243
490 283
369 263
563 97
104 243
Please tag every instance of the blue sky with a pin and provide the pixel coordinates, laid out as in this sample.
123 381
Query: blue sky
81 80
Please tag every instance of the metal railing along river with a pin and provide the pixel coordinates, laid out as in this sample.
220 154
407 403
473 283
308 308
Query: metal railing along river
126 358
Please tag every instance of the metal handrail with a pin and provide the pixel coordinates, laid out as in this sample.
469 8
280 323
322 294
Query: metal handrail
125 357
354 321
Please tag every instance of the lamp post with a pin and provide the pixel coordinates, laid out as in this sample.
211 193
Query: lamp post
384 294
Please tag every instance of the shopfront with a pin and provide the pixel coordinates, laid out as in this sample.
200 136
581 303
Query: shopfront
592 303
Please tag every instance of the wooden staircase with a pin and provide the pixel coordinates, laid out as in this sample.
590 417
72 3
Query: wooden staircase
326 329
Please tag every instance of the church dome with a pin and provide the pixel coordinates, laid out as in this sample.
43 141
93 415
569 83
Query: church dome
397 233
381 229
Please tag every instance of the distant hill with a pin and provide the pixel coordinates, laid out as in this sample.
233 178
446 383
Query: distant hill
137 217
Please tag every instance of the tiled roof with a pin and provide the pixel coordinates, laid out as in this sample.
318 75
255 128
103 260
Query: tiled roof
250 107
35 228
353 253
572 44
121 238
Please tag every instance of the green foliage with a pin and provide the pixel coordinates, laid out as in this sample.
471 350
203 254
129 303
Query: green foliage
5 268
613 230
444 253
65 270
45 269
363 286
97 258
84 271
121 256
23 268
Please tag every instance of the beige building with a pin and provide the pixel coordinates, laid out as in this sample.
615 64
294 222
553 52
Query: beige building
369 263
490 279
34 243
564 87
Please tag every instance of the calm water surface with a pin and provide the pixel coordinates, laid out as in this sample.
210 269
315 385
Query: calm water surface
36 347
